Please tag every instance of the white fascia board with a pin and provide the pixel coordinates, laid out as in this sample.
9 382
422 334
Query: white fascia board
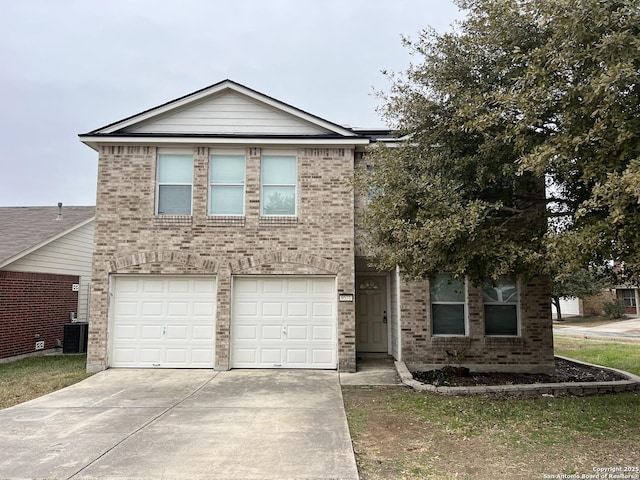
32 249
95 142
235 87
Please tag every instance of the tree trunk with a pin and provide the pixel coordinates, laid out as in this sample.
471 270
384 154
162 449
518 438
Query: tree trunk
556 302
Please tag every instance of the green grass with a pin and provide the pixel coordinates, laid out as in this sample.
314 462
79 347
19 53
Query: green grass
624 356
588 321
32 377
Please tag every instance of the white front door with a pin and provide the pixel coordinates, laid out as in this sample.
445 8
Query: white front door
284 322
371 314
163 321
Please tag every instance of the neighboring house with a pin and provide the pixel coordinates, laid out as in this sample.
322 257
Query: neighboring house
45 273
627 295
226 236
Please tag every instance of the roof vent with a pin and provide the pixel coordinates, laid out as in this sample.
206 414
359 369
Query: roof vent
59 217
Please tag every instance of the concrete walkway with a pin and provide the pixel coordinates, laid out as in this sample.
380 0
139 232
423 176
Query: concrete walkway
187 424
626 329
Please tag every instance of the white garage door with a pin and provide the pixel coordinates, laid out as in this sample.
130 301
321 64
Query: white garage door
287 322
162 321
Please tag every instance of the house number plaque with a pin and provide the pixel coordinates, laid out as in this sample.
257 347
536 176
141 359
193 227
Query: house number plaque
345 297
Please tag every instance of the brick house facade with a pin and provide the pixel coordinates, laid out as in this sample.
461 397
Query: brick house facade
35 307
248 256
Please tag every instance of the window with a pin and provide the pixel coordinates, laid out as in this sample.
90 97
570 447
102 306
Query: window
500 299
175 181
448 298
628 298
279 175
226 184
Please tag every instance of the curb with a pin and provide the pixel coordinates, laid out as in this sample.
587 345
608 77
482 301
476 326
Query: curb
632 384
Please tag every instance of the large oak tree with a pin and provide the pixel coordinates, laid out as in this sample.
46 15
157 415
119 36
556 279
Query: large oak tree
521 94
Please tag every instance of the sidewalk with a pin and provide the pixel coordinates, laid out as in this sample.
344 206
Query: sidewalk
626 329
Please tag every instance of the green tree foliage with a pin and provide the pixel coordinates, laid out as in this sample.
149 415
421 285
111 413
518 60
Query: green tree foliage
577 284
521 92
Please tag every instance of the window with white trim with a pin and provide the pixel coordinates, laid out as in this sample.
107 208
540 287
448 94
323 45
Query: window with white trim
226 184
500 298
278 187
448 305
175 184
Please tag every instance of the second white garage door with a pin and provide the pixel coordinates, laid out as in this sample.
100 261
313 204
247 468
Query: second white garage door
284 322
163 321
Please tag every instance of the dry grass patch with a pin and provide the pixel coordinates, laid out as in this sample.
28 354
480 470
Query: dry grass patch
402 434
32 377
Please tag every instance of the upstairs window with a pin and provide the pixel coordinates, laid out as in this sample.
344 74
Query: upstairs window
175 183
448 305
226 185
500 299
279 175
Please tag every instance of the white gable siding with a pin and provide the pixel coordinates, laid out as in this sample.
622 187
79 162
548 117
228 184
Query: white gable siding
229 113
67 255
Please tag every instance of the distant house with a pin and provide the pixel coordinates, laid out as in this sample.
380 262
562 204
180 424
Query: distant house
45 274
627 295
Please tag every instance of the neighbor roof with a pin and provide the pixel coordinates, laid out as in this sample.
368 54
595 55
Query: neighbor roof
26 228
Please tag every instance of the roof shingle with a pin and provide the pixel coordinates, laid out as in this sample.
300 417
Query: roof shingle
22 228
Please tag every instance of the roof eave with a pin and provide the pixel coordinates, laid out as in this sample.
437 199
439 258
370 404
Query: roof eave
95 141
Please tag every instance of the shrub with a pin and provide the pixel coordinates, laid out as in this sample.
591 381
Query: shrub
613 309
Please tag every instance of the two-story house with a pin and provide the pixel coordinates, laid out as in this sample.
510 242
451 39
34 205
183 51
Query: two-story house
226 237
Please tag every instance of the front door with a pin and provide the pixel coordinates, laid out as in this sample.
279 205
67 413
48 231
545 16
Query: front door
371 314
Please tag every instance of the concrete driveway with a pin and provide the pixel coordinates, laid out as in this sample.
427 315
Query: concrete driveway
626 329
182 424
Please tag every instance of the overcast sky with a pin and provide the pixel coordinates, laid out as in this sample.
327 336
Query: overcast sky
71 66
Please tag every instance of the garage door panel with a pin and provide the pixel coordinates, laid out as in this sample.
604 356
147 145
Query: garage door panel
150 309
272 286
203 333
322 333
298 286
150 332
271 356
204 309
298 332
246 332
324 309
297 309
152 286
125 332
271 309
150 355
177 332
271 332
127 309
159 320
283 321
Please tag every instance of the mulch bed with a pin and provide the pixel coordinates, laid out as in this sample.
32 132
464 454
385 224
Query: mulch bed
566 371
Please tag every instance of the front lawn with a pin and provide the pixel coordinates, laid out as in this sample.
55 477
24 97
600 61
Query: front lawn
402 434
32 377
625 356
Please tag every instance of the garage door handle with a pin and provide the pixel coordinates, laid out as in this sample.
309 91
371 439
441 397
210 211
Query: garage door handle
284 329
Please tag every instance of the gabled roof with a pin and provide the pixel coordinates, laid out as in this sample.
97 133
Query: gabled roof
25 229
203 116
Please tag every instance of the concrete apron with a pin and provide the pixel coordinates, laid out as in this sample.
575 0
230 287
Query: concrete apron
169 424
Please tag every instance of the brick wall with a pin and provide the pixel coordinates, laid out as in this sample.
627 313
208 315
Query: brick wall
130 239
34 307
531 351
